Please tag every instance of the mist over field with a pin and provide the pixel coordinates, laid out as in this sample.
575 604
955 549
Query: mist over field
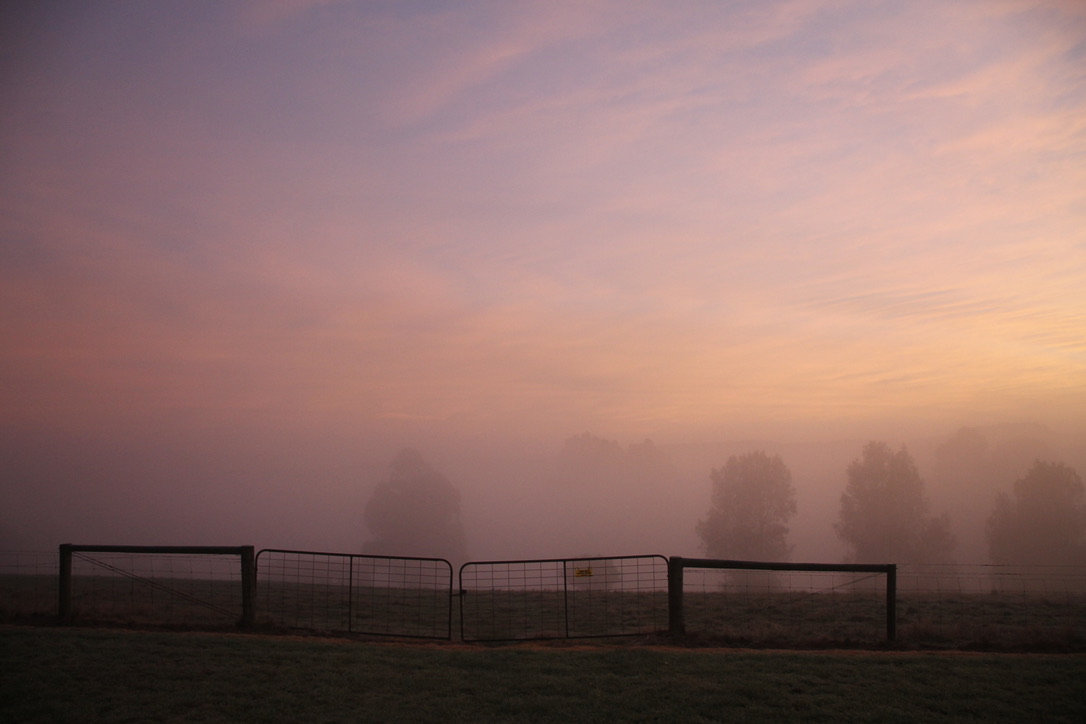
250 252
309 491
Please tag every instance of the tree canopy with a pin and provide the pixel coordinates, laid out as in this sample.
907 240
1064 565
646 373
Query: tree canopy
752 502
416 512
1043 520
884 515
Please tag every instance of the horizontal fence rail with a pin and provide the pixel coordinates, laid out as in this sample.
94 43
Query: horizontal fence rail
563 598
361 594
781 602
192 585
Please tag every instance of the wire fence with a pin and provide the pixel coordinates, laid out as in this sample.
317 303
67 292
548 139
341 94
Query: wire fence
563 598
785 608
990 605
951 606
28 585
943 605
171 589
344 593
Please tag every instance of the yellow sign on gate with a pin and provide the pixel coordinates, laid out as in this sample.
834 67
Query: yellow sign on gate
582 572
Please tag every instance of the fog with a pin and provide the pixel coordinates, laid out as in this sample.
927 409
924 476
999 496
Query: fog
543 498
251 251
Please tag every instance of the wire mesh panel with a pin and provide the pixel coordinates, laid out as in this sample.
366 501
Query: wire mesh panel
28 584
160 588
512 600
616 596
339 592
402 597
304 590
563 598
982 605
767 607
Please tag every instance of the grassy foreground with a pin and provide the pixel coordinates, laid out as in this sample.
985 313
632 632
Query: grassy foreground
79 675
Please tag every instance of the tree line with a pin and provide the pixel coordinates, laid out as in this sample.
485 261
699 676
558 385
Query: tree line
884 512
885 516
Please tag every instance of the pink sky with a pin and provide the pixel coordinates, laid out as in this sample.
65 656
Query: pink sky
685 221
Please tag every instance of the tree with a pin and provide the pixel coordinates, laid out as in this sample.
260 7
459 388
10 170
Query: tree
752 501
962 475
415 513
1043 520
588 450
604 495
969 469
884 514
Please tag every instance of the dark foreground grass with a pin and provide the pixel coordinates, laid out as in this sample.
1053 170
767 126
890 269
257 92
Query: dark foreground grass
82 675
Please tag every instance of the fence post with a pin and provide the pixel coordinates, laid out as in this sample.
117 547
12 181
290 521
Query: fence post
676 625
891 602
248 587
64 601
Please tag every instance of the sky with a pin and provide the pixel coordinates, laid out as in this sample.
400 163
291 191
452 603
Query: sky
276 239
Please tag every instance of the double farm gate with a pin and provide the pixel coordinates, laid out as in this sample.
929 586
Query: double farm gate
495 600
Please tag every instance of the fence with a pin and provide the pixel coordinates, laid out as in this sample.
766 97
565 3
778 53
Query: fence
28 585
746 601
734 602
981 606
190 585
339 592
563 598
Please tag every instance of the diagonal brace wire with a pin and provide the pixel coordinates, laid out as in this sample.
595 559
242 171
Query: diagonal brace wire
154 584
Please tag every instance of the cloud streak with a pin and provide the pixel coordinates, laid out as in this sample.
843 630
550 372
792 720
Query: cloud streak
546 216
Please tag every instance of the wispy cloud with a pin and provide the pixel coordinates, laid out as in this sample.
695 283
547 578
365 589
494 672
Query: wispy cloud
625 214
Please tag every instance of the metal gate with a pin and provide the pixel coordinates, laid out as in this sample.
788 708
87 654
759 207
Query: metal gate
341 592
563 598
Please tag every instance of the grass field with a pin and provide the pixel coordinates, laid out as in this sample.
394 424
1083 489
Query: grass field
1009 621
77 675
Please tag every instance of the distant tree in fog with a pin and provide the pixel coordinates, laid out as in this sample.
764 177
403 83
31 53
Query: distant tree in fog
415 513
603 495
1043 520
969 469
592 450
884 514
592 453
962 453
752 501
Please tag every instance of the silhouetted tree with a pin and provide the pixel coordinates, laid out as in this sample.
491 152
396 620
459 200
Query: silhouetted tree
884 513
752 501
415 513
1043 520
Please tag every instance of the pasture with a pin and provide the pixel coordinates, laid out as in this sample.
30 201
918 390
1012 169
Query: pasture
76 674
1015 621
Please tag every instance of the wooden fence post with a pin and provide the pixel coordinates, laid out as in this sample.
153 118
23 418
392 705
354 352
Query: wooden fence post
891 602
64 601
